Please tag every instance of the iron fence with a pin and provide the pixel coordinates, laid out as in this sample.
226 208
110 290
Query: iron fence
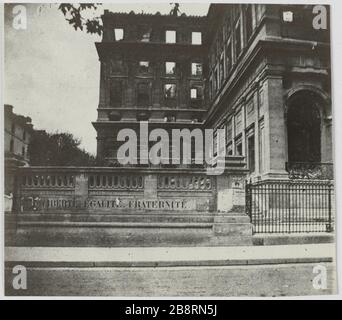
288 206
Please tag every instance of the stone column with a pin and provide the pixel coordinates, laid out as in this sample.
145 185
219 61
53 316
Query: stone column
103 71
256 101
326 141
275 130
243 138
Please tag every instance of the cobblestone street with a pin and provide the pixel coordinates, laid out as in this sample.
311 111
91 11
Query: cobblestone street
225 281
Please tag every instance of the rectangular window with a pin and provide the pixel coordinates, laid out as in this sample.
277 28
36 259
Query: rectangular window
118 34
193 93
116 66
170 36
229 131
229 149
196 69
215 144
228 58
249 21
216 79
288 16
144 33
221 70
116 94
144 66
196 93
170 91
238 147
196 38
261 147
170 68
238 40
238 122
143 95
251 153
210 88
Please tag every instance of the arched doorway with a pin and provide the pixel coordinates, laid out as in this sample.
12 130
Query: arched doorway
304 128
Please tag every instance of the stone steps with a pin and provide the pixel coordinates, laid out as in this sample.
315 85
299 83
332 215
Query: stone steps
130 229
118 218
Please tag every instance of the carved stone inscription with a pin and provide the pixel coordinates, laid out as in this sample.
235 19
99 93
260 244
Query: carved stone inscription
37 203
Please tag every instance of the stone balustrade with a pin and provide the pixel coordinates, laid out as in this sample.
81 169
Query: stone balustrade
109 189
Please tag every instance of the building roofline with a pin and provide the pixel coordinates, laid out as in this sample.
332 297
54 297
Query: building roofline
108 13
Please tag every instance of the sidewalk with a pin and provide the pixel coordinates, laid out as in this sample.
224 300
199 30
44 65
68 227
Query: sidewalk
168 256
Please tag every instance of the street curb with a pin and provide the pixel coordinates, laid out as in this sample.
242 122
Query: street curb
155 264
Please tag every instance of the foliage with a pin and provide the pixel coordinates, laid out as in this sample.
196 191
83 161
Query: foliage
75 15
57 149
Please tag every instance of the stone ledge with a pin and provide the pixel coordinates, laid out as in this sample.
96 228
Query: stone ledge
289 239
114 224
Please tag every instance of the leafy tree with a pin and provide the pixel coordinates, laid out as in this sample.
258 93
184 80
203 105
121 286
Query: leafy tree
57 149
74 14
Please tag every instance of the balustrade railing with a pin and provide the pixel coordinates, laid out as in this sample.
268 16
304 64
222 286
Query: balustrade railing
110 181
183 182
48 180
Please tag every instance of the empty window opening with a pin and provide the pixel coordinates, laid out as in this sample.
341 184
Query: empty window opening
170 68
288 16
144 66
196 38
196 93
118 34
170 36
170 91
196 69
251 153
143 96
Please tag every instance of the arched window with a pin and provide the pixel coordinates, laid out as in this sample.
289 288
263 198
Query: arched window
304 129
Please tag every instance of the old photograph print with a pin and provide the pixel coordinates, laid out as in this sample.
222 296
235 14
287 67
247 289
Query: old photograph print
168 150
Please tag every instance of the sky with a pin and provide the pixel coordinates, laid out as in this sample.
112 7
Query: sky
52 71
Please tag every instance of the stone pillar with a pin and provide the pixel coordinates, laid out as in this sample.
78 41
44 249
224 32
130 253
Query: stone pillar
231 224
231 192
81 187
244 120
150 186
275 130
256 101
326 141
233 133
103 71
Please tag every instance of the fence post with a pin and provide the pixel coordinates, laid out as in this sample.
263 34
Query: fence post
248 202
329 228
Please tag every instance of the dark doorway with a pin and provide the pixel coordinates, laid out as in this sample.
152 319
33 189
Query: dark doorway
304 130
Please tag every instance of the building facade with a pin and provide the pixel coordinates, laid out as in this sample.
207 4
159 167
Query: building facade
151 70
18 132
260 72
269 86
